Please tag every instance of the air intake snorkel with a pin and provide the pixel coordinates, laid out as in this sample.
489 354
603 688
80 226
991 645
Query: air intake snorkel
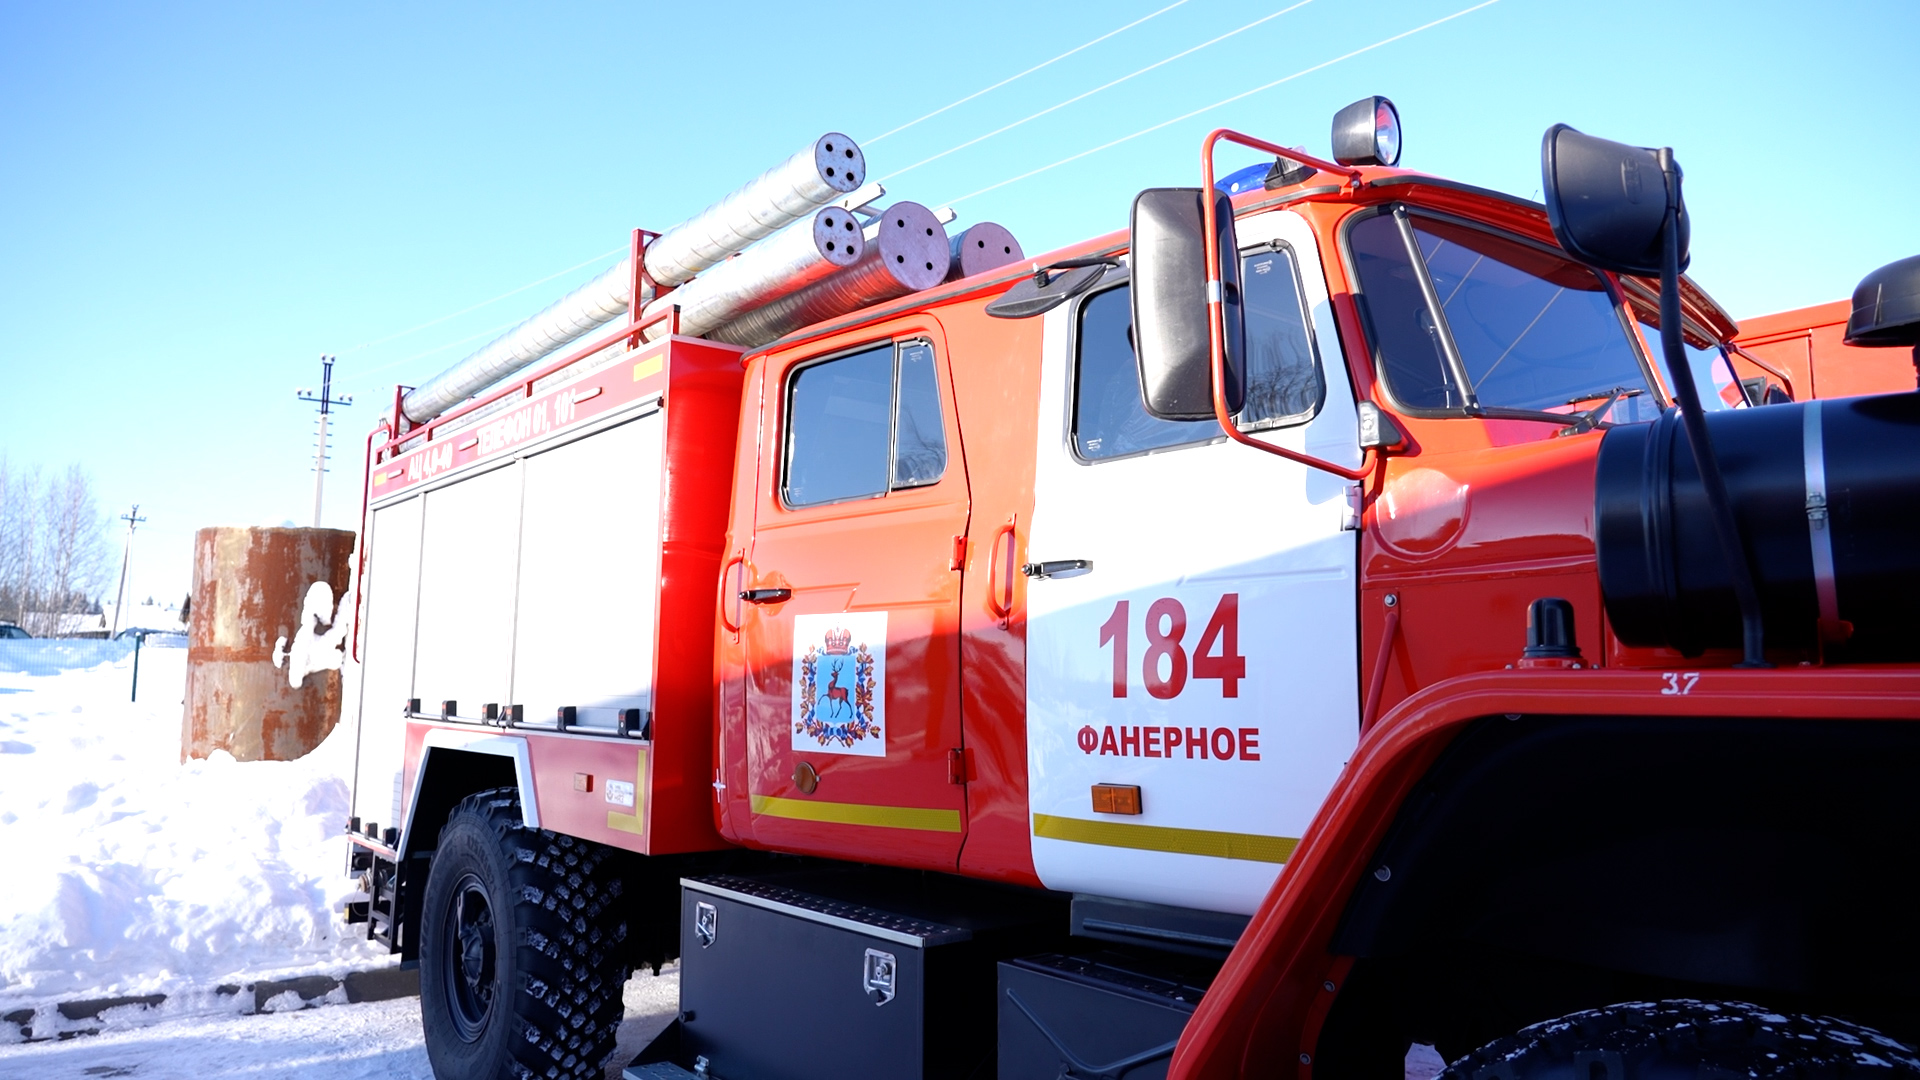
1607 212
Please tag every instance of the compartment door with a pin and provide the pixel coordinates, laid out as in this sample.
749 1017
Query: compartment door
589 575
392 591
851 629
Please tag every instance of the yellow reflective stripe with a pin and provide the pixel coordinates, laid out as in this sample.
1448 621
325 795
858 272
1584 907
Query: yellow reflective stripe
1217 845
844 813
652 365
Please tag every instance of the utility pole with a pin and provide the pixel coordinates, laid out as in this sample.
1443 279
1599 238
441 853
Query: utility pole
133 520
326 401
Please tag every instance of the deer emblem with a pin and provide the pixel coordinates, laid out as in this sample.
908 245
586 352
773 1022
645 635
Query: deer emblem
837 694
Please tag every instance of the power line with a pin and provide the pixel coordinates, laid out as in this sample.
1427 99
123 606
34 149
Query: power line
489 332
614 251
1024 74
484 303
470 308
1221 102
1097 89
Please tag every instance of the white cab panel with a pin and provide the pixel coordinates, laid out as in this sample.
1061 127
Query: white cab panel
1233 537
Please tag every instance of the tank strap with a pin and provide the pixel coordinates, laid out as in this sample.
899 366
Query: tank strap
1819 533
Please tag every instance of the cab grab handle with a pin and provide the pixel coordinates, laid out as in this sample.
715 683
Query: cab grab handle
1059 568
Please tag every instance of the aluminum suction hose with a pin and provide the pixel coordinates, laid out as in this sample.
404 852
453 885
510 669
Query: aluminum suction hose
591 305
906 251
793 259
823 171
782 195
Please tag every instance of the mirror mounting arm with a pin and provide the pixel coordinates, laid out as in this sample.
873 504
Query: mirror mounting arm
1695 422
1216 303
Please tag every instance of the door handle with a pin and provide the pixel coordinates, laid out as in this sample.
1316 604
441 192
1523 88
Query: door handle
1060 568
765 596
740 561
1000 565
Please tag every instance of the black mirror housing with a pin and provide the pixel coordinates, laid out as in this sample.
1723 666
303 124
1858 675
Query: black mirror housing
1607 201
1886 307
1170 317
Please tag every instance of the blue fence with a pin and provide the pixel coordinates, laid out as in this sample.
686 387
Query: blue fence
51 656
117 660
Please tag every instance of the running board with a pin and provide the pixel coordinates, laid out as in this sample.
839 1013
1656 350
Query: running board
658 1070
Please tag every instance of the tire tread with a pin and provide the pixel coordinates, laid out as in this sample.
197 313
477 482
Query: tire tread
1685 1039
567 1006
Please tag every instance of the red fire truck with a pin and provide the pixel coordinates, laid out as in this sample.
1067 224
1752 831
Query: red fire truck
1808 348
1321 622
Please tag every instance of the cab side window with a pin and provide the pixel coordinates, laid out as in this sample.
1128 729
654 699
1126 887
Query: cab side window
1284 381
863 424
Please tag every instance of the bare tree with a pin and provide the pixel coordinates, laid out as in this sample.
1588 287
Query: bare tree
18 532
54 555
76 541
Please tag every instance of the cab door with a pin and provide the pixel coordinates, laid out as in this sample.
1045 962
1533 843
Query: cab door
1191 620
850 619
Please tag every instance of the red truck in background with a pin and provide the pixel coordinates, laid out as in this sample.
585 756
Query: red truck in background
1322 624
1808 346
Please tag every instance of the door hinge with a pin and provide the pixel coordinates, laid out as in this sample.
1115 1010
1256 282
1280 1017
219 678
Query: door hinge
959 559
959 765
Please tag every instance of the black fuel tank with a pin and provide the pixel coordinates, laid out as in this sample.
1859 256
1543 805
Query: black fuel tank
1662 575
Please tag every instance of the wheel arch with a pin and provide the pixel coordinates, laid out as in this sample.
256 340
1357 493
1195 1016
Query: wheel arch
1268 1005
1546 864
454 765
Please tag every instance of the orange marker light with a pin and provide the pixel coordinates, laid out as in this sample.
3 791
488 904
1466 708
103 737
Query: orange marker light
1116 798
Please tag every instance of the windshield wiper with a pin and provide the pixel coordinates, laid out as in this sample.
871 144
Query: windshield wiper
1590 419
1573 423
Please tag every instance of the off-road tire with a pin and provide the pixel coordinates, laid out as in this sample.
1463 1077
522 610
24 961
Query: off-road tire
522 956
1690 1040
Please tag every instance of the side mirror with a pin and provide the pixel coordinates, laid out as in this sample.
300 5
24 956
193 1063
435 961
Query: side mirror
1607 201
1170 328
1886 307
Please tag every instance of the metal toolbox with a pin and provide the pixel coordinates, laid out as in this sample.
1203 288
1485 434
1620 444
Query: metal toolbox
1091 1016
782 979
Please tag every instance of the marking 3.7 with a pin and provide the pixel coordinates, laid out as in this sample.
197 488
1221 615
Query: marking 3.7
1678 682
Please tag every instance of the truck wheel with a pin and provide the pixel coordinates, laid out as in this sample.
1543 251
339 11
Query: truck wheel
1685 1040
521 948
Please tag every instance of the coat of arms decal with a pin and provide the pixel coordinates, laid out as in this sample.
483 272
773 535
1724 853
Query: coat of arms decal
839 668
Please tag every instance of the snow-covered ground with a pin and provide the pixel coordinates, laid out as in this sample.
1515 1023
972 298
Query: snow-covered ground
341 1042
129 873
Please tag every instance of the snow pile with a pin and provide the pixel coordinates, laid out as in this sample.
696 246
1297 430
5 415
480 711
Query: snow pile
128 872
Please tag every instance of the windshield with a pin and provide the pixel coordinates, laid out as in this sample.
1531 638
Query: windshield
1712 370
1530 329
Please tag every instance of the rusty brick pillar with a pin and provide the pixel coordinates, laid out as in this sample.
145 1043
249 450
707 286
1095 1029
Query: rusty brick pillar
270 608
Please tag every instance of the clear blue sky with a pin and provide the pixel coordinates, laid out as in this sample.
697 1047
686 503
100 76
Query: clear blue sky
196 200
